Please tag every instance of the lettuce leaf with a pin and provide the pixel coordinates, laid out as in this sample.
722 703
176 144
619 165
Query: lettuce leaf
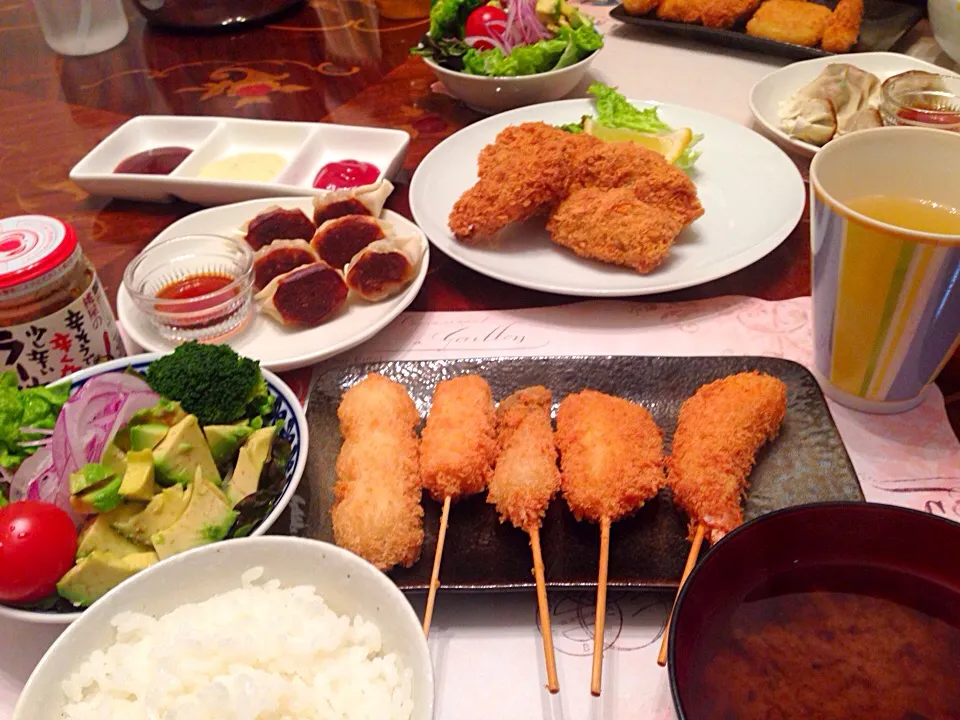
568 46
447 17
31 407
615 111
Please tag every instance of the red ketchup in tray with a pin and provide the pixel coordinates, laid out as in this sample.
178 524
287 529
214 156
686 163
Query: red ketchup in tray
346 174
158 161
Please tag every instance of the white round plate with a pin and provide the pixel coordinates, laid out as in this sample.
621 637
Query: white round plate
276 347
751 191
780 85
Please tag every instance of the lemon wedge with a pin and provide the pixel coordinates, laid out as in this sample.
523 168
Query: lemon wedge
669 144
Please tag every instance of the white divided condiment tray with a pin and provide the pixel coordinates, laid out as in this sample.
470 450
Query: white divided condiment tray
306 147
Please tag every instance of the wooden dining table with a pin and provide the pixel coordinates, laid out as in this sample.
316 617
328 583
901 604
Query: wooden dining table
336 61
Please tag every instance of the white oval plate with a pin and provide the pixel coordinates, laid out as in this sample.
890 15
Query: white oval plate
780 85
751 191
276 347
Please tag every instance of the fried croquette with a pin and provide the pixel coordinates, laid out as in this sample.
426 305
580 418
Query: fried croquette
526 476
790 21
653 180
459 441
639 7
525 171
377 513
843 27
723 14
685 11
720 428
611 455
614 227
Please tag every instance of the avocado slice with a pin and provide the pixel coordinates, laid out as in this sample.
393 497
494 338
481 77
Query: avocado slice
207 519
147 436
89 476
182 453
100 499
161 512
100 535
99 572
225 440
165 412
114 458
138 481
250 461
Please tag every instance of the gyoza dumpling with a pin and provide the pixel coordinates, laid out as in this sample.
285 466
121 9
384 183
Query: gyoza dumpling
863 120
305 296
363 200
275 223
338 240
815 124
848 89
384 266
279 257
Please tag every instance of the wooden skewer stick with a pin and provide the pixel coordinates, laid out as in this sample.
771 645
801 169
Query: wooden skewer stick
435 575
553 684
600 620
687 569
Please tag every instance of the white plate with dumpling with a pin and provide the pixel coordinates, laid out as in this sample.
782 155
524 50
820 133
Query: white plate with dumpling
265 338
775 90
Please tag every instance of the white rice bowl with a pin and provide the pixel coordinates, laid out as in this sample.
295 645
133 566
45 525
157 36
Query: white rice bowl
258 652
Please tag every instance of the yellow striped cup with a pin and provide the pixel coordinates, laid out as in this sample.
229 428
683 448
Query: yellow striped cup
886 300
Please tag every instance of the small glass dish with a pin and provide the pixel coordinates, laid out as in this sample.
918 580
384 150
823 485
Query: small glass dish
194 287
921 99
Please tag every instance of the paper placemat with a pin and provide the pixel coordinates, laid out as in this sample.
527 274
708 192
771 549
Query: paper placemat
488 655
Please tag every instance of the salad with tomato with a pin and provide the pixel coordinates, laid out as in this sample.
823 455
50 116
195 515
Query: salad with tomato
507 37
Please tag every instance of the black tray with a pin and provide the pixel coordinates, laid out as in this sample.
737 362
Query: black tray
884 23
807 463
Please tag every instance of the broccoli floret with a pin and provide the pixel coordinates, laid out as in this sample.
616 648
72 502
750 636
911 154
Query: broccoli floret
211 382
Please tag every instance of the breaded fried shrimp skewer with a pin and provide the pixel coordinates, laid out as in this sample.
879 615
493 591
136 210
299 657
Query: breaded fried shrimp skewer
720 428
377 512
611 462
458 450
524 482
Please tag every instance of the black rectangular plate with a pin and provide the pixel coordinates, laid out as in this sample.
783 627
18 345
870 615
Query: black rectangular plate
807 463
884 23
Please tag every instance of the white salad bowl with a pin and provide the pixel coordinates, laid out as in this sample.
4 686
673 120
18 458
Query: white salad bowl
496 94
287 412
348 584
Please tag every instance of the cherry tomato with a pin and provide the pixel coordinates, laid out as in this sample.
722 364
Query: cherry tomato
37 546
486 21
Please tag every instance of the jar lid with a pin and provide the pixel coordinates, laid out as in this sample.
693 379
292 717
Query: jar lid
34 246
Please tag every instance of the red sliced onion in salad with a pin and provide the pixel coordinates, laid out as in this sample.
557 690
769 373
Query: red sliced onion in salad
523 25
88 421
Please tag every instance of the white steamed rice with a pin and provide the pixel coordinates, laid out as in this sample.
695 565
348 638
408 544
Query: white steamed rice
260 652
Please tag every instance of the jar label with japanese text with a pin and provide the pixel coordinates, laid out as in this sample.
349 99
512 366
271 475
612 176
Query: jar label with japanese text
82 334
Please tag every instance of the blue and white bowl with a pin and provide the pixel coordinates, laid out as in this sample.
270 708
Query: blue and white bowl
293 427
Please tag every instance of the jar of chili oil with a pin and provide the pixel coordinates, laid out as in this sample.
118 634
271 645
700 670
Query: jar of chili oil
55 318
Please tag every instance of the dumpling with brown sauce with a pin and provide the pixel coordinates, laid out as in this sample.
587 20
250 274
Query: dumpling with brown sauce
843 88
279 257
338 240
277 223
383 267
305 296
363 200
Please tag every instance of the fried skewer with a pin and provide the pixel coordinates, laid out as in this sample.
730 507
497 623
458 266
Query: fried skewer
611 461
720 428
457 452
524 482
377 512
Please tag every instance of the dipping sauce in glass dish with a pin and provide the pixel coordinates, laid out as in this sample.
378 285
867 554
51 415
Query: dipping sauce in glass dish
245 167
194 286
921 98
346 174
156 161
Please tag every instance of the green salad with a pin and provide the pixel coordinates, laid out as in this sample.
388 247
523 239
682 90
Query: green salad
507 37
